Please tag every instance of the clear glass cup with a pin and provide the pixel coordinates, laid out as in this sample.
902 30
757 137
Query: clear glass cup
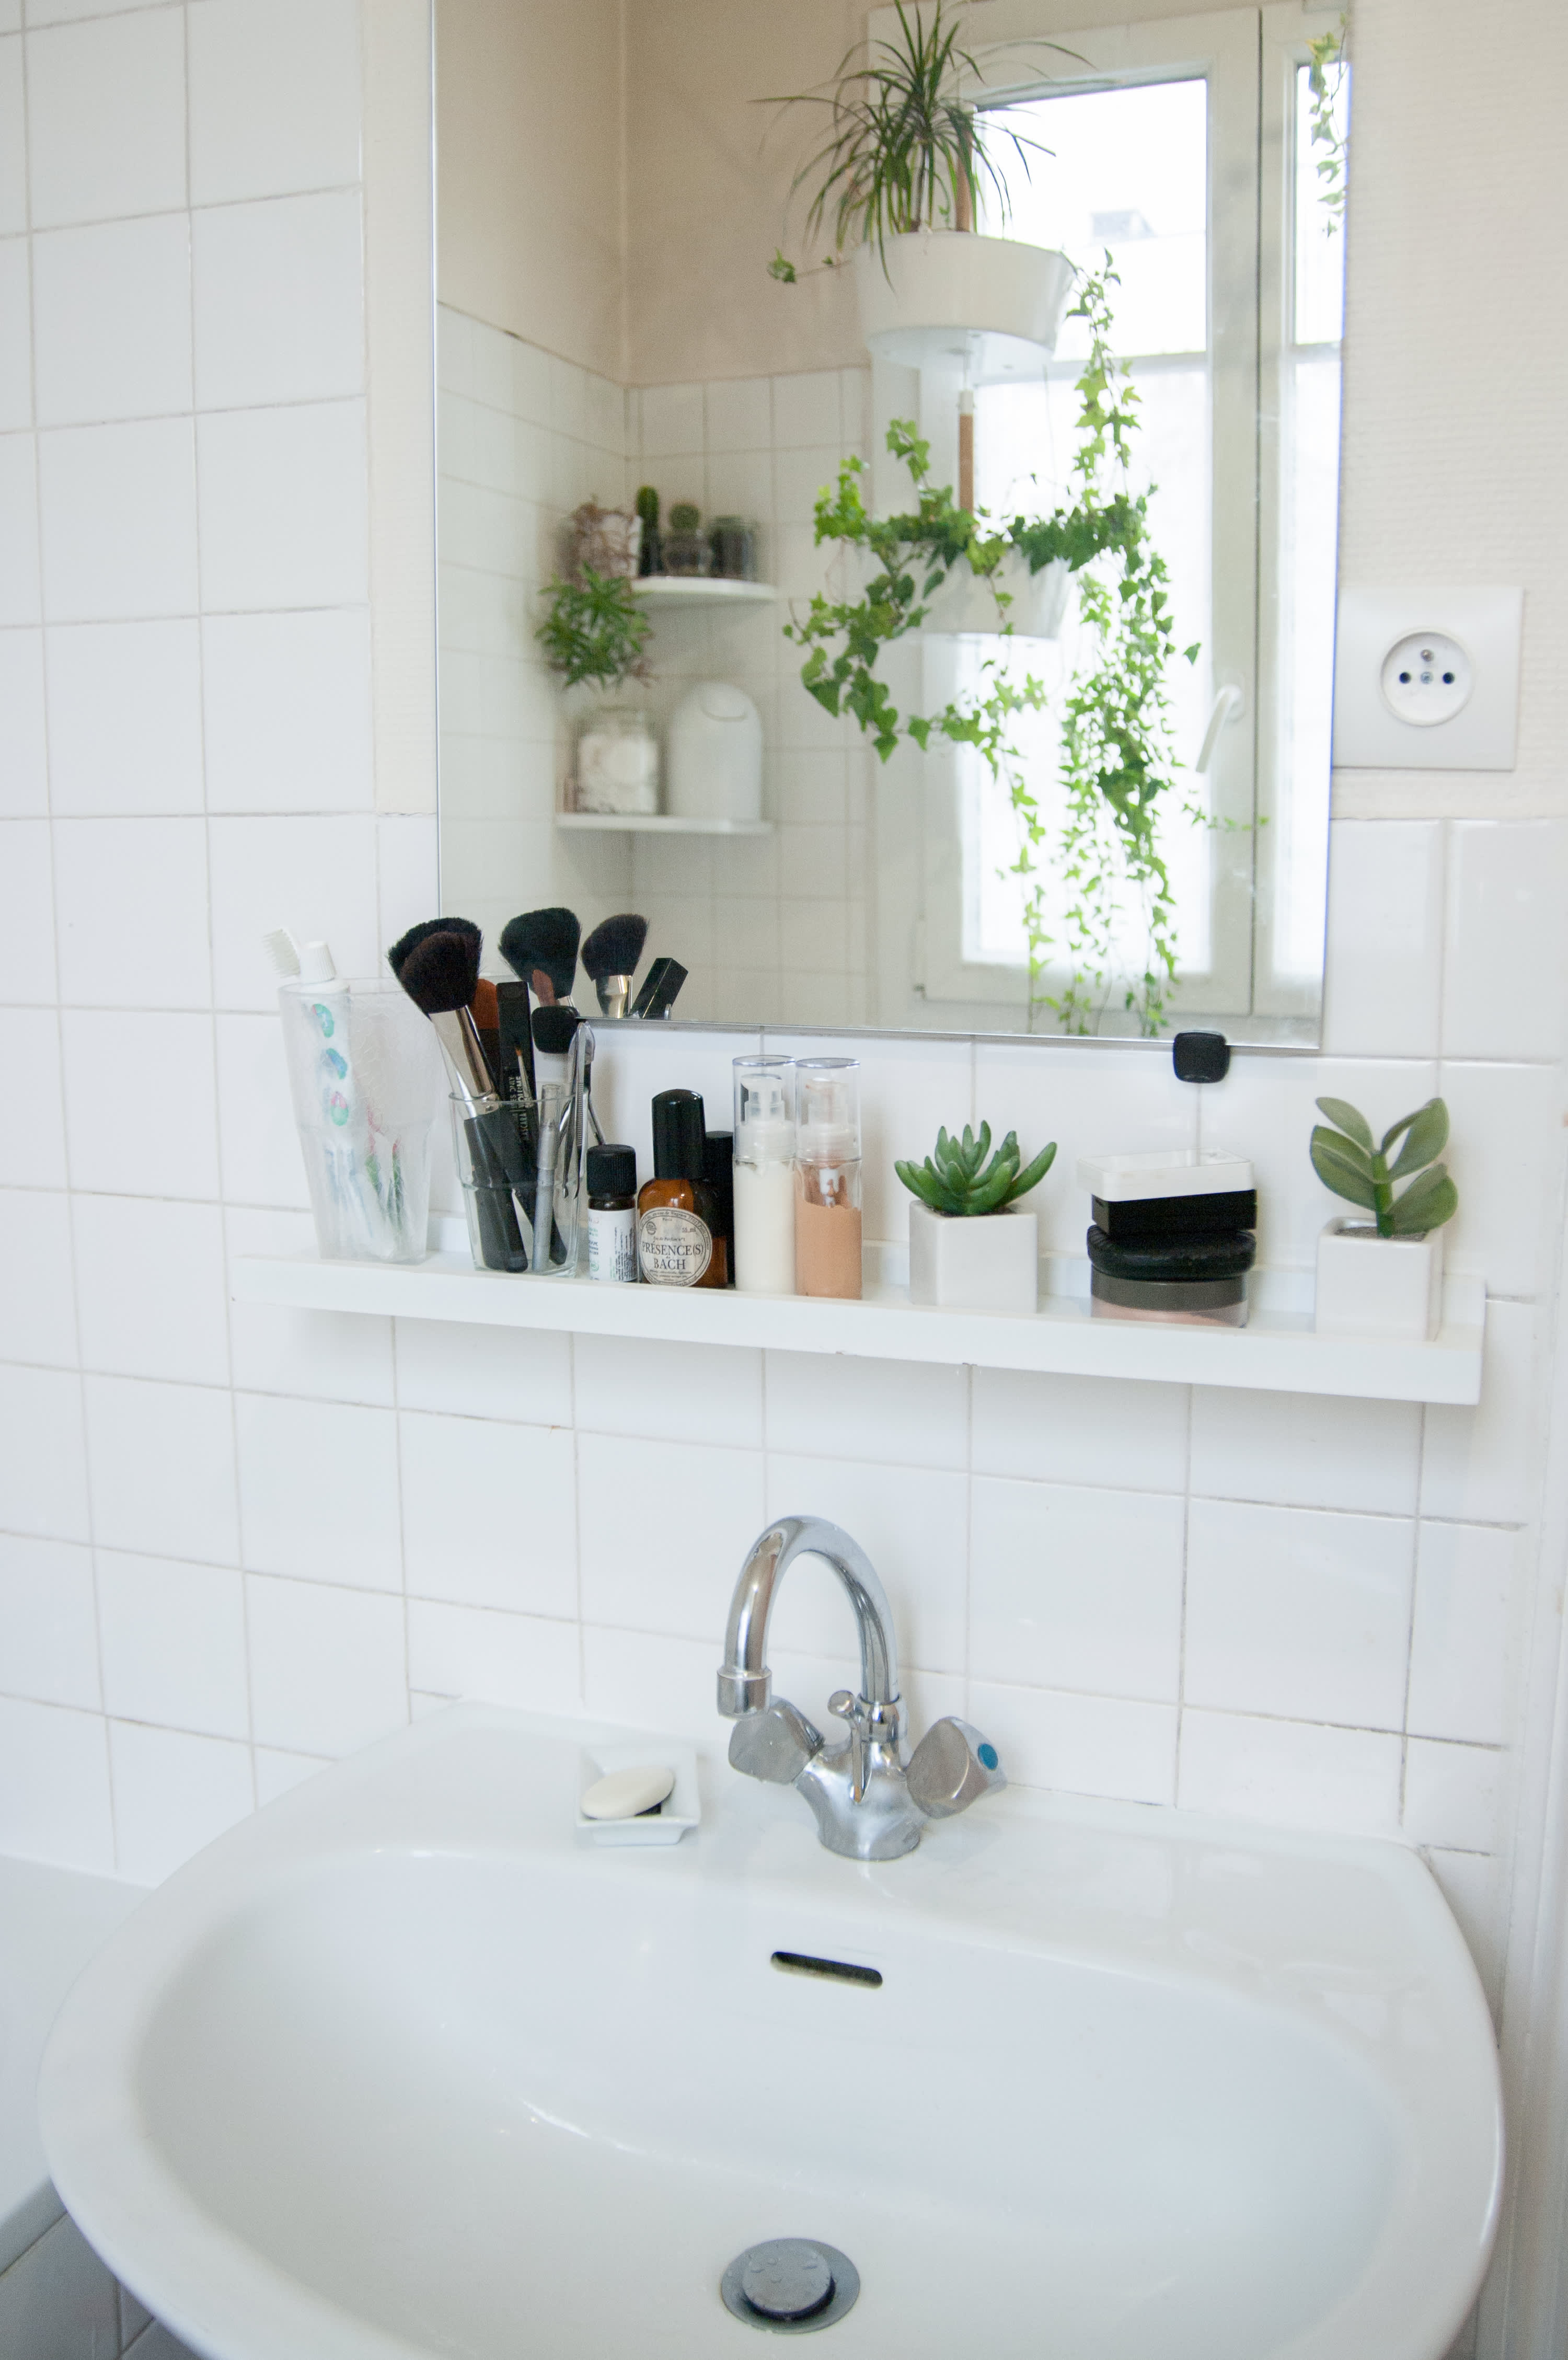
617 762
364 1108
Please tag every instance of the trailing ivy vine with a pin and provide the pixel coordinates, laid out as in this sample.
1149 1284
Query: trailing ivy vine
1328 62
1116 753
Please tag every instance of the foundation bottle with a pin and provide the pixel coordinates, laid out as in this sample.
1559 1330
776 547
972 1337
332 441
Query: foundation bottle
680 1234
827 1176
765 1175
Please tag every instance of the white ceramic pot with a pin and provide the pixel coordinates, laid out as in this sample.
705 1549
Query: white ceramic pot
990 304
980 1262
713 754
1388 1288
965 606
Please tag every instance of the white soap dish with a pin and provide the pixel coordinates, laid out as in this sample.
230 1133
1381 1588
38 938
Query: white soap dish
680 1811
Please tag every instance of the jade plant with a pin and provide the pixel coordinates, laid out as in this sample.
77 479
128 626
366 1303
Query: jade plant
1346 1160
958 1179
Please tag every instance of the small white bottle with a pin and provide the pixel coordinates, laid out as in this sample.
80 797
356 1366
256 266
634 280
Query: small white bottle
764 1175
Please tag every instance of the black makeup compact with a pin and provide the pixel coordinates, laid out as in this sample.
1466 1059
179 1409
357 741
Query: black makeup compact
1172 1237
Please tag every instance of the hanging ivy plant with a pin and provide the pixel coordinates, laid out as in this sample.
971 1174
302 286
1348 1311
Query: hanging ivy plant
1116 755
1328 63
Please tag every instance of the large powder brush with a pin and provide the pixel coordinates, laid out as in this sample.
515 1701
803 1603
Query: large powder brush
438 966
437 962
610 956
541 947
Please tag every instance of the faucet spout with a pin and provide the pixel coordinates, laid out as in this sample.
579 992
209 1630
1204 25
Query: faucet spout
745 1685
867 1805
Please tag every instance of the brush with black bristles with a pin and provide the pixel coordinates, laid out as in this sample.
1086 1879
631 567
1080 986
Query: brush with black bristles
541 947
610 956
438 966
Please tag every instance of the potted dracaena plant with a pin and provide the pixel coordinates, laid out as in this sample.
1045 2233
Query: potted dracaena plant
898 186
1383 1276
963 1254
594 635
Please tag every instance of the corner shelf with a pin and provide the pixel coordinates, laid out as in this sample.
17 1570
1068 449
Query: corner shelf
700 590
650 824
1277 1351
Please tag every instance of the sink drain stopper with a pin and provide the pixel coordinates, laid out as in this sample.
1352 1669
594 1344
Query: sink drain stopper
790 2284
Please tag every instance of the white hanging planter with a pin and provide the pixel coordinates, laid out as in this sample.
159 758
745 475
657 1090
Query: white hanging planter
988 306
978 1262
1387 1287
965 606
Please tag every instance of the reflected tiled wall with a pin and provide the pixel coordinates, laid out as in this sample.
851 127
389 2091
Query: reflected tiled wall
235 1542
771 929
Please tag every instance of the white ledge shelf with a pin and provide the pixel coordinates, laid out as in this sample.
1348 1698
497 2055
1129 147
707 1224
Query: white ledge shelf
658 824
700 590
1277 1351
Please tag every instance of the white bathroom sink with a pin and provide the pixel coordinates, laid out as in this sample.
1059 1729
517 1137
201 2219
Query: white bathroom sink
400 2067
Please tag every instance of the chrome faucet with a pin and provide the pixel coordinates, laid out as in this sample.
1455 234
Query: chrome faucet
868 1804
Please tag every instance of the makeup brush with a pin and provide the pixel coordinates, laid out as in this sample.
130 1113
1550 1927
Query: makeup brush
485 1009
438 966
555 1030
660 987
541 947
610 956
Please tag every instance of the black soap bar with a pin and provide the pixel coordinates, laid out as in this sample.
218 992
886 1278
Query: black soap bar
1162 1220
1186 1260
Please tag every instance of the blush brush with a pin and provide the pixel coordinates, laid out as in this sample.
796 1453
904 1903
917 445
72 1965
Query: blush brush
610 956
438 966
541 947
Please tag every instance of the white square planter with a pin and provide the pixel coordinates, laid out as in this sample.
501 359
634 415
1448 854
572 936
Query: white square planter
980 1262
1368 1286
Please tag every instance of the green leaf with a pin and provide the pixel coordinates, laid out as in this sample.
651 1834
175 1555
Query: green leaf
1033 1174
922 1183
1426 1136
1336 1172
1346 1118
1337 1144
1426 1204
781 268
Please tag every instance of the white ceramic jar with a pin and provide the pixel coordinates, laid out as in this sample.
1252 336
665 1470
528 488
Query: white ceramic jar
1388 1288
714 766
976 1261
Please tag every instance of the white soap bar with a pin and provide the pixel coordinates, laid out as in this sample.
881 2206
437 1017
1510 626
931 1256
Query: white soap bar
624 1793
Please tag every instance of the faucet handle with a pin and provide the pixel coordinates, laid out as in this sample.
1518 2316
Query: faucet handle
952 1767
775 1746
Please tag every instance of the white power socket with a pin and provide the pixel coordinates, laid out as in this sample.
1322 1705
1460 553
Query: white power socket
1427 680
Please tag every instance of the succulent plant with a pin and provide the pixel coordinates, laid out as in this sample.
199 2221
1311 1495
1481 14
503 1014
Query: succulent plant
959 1180
683 516
646 506
1346 1160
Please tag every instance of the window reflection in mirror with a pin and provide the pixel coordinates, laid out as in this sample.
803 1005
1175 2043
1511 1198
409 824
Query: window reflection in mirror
1184 148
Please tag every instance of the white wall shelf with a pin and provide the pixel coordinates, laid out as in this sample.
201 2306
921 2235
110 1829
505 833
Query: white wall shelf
1277 1352
700 590
660 824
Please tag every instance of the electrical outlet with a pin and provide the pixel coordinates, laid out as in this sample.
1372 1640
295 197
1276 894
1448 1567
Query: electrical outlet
1427 680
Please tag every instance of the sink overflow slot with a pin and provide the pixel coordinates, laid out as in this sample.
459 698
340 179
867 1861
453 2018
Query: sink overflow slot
833 1970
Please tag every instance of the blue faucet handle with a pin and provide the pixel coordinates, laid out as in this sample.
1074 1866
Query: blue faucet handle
952 1767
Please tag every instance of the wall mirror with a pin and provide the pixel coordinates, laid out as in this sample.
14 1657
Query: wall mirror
609 194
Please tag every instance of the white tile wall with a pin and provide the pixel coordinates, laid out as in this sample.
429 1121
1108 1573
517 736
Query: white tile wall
770 929
235 1543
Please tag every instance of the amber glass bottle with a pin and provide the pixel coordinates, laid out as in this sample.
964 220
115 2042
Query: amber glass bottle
681 1231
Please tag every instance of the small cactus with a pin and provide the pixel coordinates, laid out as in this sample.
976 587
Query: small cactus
959 1180
1346 1161
683 516
648 507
